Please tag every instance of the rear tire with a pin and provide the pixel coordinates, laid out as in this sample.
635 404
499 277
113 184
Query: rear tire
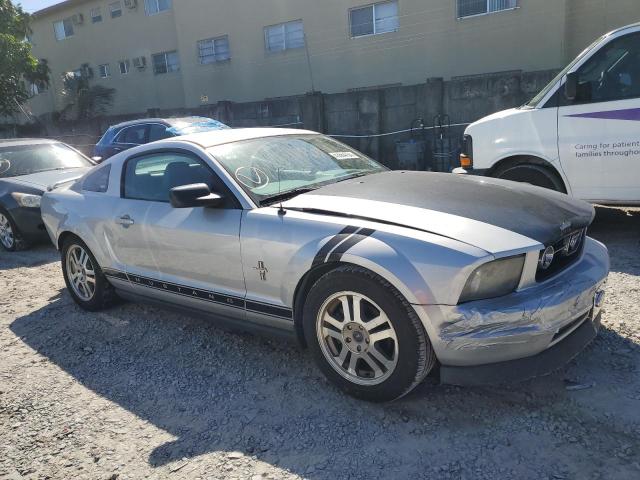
537 175
85 281
378 351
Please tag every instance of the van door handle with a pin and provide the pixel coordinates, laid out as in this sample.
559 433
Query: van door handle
125 221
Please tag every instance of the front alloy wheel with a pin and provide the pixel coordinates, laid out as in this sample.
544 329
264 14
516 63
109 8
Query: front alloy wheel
6 233
364 335
357 338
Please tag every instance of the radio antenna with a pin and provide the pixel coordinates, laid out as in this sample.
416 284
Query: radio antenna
281 210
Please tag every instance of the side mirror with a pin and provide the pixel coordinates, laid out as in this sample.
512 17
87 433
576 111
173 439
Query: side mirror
571 86
195 195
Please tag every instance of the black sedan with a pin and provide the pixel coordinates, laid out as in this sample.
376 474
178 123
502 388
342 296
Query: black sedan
28 167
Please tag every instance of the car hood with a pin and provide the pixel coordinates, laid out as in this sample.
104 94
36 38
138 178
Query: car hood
44 180
492 214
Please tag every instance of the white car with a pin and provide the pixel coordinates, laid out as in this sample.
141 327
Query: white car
580 135
379 273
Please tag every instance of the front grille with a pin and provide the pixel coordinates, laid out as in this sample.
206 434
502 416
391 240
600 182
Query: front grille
565 254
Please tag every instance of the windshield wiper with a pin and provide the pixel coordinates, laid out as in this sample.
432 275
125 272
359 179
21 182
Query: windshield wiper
286 195
350 177
50 170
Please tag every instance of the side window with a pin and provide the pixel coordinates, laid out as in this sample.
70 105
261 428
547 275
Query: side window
152 177
133 135
613 73
97 181
158 132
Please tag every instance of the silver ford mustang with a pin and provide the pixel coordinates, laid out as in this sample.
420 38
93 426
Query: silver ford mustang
384 275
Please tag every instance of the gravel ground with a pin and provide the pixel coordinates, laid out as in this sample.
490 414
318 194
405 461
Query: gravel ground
136 392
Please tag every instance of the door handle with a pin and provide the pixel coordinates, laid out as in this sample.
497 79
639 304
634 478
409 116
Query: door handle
125 221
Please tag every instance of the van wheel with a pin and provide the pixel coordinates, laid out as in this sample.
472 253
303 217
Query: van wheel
364 335
537 175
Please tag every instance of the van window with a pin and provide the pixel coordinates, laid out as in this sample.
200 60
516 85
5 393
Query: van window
613 73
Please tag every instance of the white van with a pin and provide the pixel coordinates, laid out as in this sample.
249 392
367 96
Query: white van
579 135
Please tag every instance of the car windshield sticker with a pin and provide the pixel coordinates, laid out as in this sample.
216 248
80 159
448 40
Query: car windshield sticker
5 165
252 177
344 155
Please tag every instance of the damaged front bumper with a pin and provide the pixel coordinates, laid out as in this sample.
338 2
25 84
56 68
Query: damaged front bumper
528 333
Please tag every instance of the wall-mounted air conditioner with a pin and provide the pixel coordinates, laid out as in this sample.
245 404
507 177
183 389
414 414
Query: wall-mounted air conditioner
140 62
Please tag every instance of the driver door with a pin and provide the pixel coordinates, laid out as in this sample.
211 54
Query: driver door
192 255
599 131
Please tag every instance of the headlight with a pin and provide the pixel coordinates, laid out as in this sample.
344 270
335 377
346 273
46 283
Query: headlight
493 279
27 199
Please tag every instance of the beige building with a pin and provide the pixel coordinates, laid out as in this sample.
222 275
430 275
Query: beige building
186 53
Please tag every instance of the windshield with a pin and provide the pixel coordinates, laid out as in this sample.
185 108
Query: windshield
26 159
197 126
274 167
535 101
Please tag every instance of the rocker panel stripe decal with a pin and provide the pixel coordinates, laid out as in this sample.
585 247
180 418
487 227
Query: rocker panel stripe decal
204 295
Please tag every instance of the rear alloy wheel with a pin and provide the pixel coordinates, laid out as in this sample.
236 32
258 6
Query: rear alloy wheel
536 175
364 335
10 237
87 285
82 274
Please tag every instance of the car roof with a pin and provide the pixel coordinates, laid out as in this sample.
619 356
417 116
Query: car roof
617 30
165 121
219 137
13 142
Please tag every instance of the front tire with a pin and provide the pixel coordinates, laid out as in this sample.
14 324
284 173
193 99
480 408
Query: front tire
85 281
536 175
10 237
364 336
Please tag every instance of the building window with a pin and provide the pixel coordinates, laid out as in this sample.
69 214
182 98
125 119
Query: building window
374 19
116 9
96 15
103 70
468 8
63 29
124 67
284 36
214 50
165 62
156 6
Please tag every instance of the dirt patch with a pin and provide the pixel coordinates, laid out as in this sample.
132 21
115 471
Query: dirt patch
138 392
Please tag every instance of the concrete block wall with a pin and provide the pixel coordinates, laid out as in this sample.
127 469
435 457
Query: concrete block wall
362 112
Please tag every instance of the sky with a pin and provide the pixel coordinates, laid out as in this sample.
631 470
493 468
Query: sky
33 5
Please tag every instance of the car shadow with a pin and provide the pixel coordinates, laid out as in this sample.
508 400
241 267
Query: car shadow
218 391
36 255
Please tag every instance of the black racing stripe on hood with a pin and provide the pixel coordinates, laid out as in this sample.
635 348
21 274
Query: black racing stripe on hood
537 213
353 240
333 243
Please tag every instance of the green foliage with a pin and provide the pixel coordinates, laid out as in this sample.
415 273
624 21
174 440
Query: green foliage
17 64
83 100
